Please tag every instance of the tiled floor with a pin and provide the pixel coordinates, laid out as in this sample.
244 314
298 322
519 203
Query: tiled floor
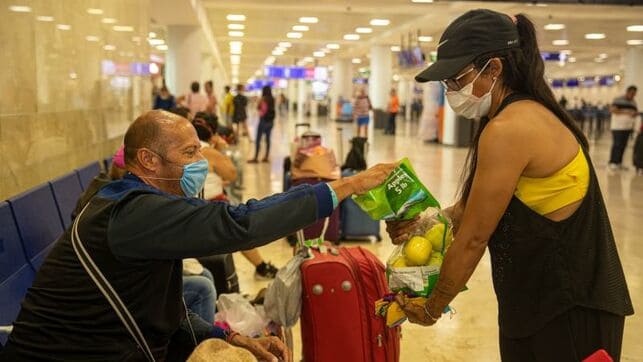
472 334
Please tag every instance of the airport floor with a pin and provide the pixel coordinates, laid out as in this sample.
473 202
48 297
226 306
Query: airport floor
472 334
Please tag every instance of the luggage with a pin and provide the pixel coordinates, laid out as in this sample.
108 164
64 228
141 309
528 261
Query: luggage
356 157
315 230
338 321
638 151
355 223
223 271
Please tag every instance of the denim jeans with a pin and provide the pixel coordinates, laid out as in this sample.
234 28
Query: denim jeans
263 128
619 143
200 295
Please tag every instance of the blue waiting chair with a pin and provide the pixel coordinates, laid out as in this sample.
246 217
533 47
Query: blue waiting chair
87 173
38 222
66 190
16 274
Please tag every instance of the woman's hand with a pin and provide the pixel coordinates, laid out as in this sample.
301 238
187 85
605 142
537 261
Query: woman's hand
400 231
270 349
415 310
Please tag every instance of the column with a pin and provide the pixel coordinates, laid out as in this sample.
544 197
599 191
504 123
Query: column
379 83
301 98
633 74
292 95
183 63
342 85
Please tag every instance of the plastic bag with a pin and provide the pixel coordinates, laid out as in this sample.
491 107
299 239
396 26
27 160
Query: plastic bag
242 317
414 267
282 301
401 197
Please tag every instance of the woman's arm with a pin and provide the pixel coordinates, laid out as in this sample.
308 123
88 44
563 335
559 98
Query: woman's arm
501 161
221 164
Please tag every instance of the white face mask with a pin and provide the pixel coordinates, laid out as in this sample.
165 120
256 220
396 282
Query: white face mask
468 105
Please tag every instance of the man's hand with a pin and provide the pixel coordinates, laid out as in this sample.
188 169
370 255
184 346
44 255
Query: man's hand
363 181
270 349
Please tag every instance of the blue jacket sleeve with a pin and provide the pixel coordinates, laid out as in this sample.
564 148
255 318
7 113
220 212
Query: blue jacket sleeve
153 226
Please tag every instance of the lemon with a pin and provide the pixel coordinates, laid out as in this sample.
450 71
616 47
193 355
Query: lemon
436 259
417 251
399 263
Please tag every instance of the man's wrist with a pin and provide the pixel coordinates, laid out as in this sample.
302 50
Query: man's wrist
343 188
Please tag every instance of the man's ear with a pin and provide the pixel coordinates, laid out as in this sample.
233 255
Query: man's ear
147 159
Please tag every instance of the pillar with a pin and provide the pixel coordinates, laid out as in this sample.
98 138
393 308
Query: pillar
291 94
301 98
633 74
379 83
342 85
183 63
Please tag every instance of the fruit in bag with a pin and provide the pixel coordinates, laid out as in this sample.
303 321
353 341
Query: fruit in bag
417 251
401 197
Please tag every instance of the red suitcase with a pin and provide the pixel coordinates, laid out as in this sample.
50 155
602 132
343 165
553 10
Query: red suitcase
338 321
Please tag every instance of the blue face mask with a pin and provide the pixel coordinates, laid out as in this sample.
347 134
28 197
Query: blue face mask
193 177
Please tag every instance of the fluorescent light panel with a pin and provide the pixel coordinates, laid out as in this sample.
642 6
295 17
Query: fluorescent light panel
308 20
595 36
351 37
356 61
236 26
635 28
332 46
294 35
554 26
300 28
380 22
560 42
109 21
123 28
395 48
235 33
364 30
425 39
235 17
95 11
45 18
20 8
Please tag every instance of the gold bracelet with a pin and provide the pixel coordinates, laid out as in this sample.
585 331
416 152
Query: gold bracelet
426 311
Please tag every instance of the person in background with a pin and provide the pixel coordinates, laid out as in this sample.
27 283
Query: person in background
283 105
393 108
240 114
227 108
164 100
138 230
530 194
624 113
194 101
222 171
361 109
266 109
563 102
211 108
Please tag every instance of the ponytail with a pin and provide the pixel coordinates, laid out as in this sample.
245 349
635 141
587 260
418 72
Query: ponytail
524 73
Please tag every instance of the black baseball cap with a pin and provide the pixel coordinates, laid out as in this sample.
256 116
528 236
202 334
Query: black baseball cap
474 33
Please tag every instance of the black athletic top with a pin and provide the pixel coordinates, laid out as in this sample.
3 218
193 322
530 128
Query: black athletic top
542 268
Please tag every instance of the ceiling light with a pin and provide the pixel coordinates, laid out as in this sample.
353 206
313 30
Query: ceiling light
269 60
156 41
308 20
566 52
236 43
325 50
108 21
595 36
258 73
95 11
635 28
235 33
285 44
236 17
294 35
571 59
599 60
300 28
617 78
123 28
395 48
151 34
92 38
319 54
235 59
332 46
396 77
380 22
554 26
110 47
281 49
162 47
422 1
351 37
560 42
277 52
602 55
308 59
44 18
20 9
236 26
635 42
63 26
425 39
356 61
364 30
235 51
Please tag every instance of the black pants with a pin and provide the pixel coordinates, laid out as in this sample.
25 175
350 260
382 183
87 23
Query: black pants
572 336
264 128
390 128
619 143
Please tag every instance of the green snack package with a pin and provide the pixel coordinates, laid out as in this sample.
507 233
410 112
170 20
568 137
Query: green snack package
401 197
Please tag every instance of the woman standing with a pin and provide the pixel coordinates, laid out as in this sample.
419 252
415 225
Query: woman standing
531 195
361 108
266 109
